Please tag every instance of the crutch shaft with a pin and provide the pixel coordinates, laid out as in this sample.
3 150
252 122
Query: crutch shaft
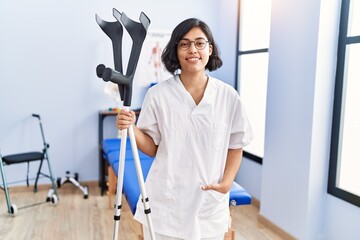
141 181
120 177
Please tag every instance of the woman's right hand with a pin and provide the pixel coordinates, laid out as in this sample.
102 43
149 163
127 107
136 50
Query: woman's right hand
125 119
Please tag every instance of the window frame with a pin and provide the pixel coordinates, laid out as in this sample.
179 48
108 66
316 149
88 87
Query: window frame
344 41
239 53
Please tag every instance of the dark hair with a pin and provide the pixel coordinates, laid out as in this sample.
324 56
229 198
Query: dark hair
169 55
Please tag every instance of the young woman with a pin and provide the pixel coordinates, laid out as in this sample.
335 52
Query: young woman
195 126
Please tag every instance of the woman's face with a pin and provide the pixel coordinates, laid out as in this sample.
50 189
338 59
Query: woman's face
193 51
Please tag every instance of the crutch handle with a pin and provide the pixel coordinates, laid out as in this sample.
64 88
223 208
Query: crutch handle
100 69
36 115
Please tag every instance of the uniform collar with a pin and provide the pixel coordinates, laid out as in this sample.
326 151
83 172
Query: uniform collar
208 94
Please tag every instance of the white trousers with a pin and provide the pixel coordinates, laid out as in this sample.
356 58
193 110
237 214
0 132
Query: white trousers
147 236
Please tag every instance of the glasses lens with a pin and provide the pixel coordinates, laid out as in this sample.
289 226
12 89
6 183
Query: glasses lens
184 44
200 44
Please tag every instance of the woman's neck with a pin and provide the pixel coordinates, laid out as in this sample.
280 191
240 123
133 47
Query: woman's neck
194 81
195 85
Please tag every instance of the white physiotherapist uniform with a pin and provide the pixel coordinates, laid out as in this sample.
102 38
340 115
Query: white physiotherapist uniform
193 141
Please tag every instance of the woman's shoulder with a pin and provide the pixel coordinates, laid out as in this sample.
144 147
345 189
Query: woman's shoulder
223 86
161 86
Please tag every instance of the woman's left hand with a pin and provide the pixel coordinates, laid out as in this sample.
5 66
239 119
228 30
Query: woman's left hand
219 187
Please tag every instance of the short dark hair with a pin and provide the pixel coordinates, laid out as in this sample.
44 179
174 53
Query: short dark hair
169 55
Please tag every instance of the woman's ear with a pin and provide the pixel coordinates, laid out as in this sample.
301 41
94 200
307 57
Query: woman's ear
210 49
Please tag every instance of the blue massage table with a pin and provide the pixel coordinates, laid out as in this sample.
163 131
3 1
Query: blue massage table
131 190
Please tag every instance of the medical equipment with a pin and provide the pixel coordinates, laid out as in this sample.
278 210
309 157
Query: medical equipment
114 31
28 157
74 179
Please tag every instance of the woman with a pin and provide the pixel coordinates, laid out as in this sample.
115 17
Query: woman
195 126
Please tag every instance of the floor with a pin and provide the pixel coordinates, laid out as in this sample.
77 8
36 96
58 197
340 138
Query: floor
76 218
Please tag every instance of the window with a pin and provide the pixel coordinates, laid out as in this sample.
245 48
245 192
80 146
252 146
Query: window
344 180
252 68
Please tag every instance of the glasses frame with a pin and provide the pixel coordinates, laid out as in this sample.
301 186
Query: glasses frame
194 41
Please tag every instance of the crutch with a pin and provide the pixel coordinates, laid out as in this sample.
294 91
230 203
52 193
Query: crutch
137 32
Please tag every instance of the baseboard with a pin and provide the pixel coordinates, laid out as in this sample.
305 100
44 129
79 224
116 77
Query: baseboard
46 186
255 202
263 220
284 235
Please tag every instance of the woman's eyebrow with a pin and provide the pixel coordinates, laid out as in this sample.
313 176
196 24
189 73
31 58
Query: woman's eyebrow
195 38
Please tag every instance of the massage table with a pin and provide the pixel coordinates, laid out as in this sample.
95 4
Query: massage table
131 190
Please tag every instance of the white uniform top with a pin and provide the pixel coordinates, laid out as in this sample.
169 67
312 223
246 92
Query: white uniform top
193 141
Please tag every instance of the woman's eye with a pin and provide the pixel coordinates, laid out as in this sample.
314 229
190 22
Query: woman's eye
200 44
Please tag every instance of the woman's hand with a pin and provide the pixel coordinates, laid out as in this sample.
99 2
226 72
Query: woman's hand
232 166
219 187
125 119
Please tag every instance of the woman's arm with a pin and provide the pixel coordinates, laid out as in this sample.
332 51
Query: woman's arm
232 166
143 141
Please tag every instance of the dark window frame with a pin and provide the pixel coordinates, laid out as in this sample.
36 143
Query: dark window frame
344 41
246 154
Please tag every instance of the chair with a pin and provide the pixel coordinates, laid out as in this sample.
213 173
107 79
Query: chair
28 157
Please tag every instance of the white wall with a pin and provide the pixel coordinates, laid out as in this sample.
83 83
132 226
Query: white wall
292 66
249 176
226 21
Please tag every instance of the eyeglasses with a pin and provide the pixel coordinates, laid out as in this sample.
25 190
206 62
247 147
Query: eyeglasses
185 44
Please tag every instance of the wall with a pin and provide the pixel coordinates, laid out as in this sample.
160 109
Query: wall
226 21
292 65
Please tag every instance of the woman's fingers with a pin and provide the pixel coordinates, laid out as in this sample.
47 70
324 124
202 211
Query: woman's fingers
124 119
216 187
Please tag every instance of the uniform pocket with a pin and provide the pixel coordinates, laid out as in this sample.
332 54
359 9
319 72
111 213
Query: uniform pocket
217 196
214 204
219 136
